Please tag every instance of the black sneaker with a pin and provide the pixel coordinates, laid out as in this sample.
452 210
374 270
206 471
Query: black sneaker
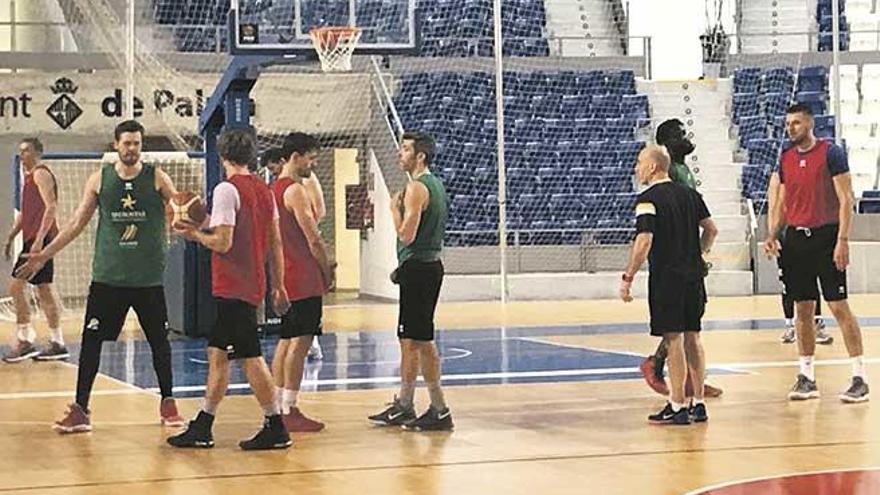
804 389
273 435
698 414
669 417
396 415
857 392
432 420
197 434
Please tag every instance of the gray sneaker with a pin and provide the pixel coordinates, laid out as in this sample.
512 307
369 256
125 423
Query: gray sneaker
822 335
857 392
789 335
803 389
53 352
23 350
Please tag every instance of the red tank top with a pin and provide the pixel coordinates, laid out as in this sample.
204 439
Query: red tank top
241 273
810 199
33 207
302 273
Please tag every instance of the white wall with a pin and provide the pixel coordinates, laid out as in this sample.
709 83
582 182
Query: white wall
379 249
674 27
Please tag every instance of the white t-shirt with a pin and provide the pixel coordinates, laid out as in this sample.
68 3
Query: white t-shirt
227 202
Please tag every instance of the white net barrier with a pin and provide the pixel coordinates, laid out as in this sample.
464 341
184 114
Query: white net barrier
73 265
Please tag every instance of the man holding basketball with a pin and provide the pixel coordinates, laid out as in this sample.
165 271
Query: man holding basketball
127 268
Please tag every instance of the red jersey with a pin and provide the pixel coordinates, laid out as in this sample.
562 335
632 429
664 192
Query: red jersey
302 273
241 273
810 198
33 207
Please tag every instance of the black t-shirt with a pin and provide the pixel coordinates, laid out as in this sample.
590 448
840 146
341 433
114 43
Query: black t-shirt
672 213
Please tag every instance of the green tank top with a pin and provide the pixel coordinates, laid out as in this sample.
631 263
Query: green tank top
428 243
130 243
681 174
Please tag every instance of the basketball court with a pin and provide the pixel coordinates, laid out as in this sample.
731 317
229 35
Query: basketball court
545 396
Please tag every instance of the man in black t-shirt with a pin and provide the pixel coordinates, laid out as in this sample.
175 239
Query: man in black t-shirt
668 222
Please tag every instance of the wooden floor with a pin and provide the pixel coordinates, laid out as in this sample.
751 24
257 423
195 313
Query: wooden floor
539 438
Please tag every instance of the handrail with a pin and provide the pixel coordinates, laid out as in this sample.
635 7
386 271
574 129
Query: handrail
388 99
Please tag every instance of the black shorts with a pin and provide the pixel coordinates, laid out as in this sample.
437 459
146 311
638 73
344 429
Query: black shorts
235 329
675 305
809 254
303 318
46 275
420 284
107 307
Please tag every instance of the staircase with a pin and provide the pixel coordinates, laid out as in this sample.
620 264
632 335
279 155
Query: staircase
585 28
697 104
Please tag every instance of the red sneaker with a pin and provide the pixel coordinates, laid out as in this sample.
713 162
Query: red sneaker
648 373
76 420
168 413
296 421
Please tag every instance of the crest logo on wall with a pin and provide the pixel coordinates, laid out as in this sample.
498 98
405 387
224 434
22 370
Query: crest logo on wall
64 110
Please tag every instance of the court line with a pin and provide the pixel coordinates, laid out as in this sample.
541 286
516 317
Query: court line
726 484
486 462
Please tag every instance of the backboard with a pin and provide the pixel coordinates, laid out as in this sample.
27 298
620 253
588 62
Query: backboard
282 26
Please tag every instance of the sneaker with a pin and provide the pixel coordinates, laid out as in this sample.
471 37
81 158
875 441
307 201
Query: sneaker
273 435
822 335
76 420
803 389
432 420
168 415
669 417
396 415
789 335
197 434
296 421
857 392
53 352
23 350
698 414
315 352
648 369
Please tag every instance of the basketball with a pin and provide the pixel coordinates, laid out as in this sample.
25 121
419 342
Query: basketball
185 207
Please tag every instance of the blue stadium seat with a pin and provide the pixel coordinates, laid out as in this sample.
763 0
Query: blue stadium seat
628 153
533 208
745 105
778 80
606 106
775 104
584 180
616 181
751 128
813 78
816 100
551 180
587 130
635 106
619 129
547 106
824 126
592 82
520 181
622 82
746 80
557 130
763 151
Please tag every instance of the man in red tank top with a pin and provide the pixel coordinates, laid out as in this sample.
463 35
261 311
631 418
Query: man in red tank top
37 224
243 236
815 201
307 276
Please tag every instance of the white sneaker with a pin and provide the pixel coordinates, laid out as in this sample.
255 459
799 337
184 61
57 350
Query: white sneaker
315 352
822 335
789 335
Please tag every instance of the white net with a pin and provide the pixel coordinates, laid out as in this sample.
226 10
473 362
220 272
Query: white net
335 46
73 265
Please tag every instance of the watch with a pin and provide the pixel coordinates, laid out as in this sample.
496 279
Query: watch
627 278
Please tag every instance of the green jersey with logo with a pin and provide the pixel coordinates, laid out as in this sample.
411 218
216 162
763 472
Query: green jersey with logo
428 243
130 243
681 174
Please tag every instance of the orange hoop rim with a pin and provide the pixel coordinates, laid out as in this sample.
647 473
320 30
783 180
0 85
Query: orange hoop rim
332 33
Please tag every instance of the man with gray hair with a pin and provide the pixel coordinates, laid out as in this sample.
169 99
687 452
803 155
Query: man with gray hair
668 221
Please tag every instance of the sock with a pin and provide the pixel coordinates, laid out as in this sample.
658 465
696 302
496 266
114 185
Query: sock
288 401
26 332
56 336
210 407
807 367
407 393
436 393
698 401
270 409
675 405
279 394
858 366
789 322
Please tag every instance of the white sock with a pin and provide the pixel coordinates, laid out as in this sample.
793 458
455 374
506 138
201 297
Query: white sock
278 392
56 335
270 409
858 366
288 401
807 367
210 407
698 401
26 332
789 322
675 405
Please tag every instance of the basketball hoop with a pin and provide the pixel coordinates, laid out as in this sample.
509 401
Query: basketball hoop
335 46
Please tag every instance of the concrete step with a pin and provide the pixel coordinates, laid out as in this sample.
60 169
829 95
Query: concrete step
731 228
731 256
